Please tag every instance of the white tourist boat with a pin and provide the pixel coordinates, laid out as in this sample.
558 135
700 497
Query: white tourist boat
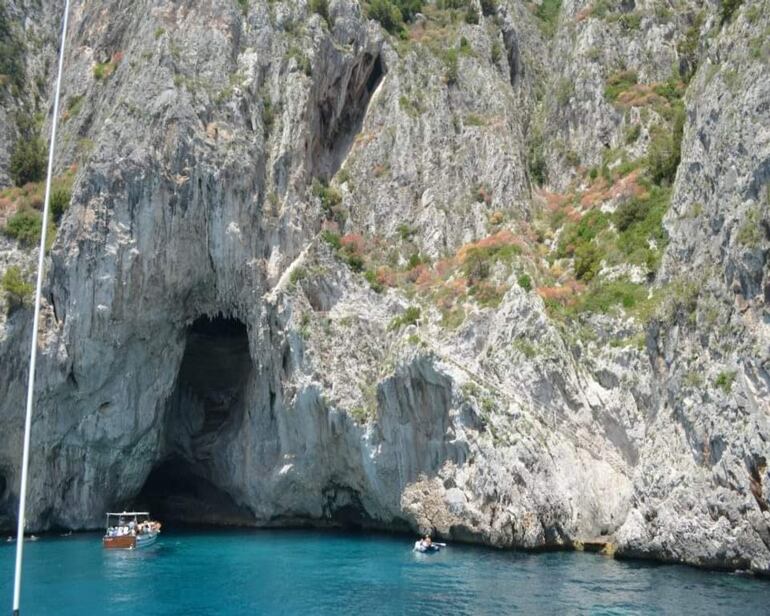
130 530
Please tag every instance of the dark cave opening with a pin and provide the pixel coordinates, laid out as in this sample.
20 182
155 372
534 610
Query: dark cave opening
214 370
176 492
336 132
203 410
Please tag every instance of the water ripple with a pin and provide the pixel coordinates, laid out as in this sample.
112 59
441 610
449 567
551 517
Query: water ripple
303 572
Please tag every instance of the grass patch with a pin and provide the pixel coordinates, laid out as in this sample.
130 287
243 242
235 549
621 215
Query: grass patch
727 9
606 296
749 233
17 290
104 70
11 54
24 226
410 316
28 160
298 274
331 201
547 13
524 347
725 380
640 222
619 82
332 238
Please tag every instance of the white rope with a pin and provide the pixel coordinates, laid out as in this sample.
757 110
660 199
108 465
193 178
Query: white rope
35 328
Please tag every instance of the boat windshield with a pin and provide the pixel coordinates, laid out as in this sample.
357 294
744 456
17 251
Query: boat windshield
126 517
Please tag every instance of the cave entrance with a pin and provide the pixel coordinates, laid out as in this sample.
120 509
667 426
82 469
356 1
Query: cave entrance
337 131
215 367
203 414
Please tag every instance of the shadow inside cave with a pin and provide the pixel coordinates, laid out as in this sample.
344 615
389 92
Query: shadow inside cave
203 412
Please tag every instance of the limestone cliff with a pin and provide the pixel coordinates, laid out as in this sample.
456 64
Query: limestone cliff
496 269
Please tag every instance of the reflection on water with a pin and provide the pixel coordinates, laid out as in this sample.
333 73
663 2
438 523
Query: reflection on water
304 572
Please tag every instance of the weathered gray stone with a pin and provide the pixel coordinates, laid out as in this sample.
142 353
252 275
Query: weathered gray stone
299 400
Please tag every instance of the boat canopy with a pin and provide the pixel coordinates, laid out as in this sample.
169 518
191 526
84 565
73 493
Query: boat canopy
130 513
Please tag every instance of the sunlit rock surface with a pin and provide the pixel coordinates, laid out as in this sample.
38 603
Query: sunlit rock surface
318 274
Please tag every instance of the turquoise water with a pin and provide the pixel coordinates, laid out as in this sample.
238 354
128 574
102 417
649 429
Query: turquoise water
306 572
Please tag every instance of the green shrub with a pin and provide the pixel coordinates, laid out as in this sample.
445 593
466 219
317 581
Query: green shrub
600 8
581 232
547 13
451 61
25 226
415 259
371 278
565 88
632 134
725 380
409 317
355 262
630 21
244 5
524 347
361 415
665 150
688 48
331 200
672 90
496 52
619 82
749 233
103 70
28 161
405 232
60 201
74 104
332 238
412 107
448 5
11 54
452 318
471 16
727 9
641 220
388 14
603 297
478 260
268 114
538 169
587 261
525 282
320 7
17 290
303 61
298 274
410 8
630 212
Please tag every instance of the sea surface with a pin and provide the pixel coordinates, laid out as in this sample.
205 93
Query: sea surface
205 572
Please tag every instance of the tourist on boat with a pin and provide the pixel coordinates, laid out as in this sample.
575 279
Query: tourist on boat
426 542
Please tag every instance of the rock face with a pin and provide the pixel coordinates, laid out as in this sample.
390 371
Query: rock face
504 277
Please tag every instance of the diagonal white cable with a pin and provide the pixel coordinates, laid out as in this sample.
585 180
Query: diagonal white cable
35 328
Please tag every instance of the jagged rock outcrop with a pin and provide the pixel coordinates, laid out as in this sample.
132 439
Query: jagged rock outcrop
307 274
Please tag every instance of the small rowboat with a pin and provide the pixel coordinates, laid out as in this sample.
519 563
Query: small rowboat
130 530
420 546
